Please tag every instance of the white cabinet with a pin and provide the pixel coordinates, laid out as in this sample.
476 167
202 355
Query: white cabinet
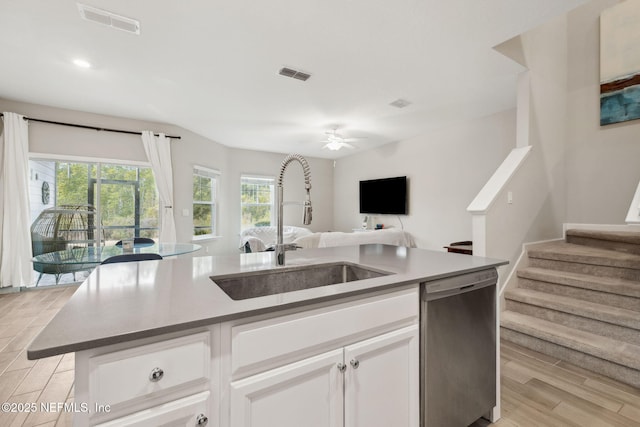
373 383
307 393
166 380
121 377
187 412
382 381
352 364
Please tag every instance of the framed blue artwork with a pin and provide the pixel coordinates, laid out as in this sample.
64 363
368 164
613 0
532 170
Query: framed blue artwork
620 63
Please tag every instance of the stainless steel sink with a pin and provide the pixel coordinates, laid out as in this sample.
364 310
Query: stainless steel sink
294 278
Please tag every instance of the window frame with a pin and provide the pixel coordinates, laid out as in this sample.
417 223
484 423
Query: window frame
214 175
98 162
272 204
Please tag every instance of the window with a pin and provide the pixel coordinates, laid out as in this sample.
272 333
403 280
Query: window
128 200
257 200
125 196
204 201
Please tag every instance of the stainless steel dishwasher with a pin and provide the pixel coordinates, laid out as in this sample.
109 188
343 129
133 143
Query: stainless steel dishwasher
458 349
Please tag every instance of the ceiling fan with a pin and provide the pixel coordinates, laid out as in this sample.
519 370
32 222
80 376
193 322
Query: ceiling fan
336 141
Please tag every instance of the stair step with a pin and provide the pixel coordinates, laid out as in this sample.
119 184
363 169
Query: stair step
585 260
605 320
602 290
579 301
610 285
621 353
601 312
606 356
569 252
622 241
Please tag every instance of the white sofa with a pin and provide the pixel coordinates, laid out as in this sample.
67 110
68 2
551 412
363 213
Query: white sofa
258 239
388 236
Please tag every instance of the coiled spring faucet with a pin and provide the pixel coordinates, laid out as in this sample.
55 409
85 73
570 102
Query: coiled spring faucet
306 213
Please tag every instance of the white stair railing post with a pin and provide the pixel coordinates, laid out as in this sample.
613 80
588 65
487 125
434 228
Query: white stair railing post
633 216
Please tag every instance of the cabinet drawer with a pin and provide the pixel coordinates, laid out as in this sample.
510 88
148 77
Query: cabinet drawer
183 412
268 343
126 376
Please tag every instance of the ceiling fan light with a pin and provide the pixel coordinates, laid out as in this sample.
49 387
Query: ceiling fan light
81 63
334 145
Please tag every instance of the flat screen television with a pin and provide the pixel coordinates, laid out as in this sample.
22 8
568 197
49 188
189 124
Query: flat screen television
387 196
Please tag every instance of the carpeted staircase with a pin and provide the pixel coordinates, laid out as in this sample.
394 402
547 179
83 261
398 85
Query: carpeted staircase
579 301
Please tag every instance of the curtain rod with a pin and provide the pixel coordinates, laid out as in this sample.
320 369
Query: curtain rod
130 132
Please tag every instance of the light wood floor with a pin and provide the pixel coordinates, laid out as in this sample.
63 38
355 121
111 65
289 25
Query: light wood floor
537 390
22 316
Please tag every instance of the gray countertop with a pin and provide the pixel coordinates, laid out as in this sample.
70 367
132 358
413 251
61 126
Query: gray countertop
127 301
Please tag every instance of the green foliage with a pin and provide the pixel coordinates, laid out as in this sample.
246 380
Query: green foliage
202 188
203 204
256 202
72 183
256 193
255 216
117 195
202 215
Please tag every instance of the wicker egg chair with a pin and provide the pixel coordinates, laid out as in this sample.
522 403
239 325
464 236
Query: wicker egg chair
61 228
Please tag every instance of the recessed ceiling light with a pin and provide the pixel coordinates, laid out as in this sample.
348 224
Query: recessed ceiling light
81 63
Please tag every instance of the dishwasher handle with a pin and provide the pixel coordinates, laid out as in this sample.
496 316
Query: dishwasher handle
447 291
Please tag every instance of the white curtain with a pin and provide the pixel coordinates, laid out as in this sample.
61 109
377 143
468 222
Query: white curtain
158 151
15 244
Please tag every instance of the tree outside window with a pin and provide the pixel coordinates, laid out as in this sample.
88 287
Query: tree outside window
257 199
128 200
204 201
124 196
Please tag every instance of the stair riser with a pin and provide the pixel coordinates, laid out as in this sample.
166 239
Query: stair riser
621 373
614 300
593 326
628 248
595 270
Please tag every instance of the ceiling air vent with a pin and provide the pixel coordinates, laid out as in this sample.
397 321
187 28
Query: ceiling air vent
400 103
294 74
109 19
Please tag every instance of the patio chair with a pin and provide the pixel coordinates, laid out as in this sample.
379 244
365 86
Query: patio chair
61 228
131 258
139 241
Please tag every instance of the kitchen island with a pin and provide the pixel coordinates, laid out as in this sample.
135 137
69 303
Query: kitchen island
229 362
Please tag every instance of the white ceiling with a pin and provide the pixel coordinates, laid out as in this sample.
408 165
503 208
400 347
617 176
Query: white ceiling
211 66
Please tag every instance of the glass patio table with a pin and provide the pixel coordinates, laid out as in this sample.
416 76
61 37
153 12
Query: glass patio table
86 258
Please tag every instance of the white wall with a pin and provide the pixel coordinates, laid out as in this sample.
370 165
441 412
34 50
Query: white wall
39 173
191 150
539 186
249 162
446 168
603 162
578 171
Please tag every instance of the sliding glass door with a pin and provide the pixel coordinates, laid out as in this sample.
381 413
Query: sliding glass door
122 199
128 202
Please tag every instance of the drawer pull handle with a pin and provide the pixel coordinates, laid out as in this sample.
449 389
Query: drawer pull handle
156 375
342 367
355 363
202 420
